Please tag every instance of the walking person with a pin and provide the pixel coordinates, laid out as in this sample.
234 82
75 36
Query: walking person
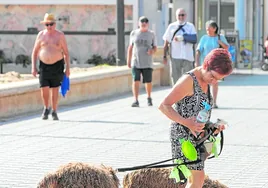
179 38
207 43
266 46
184 102
141 47
51 49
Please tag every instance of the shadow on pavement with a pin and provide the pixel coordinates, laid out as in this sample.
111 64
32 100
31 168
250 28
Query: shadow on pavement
87 138
245 80
98 121
82 104
239 108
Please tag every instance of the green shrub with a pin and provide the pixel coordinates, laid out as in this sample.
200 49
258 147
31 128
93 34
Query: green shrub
23 59
98 60
3 58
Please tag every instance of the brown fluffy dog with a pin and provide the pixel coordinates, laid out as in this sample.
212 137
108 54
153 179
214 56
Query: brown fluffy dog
80 175
159 178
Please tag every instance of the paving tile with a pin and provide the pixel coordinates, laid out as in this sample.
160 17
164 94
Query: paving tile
109 131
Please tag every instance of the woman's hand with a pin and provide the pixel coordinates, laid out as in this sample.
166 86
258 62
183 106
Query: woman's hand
219 129
194 126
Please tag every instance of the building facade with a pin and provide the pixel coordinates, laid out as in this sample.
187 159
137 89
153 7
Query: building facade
245 16
162 12
248 17
71 15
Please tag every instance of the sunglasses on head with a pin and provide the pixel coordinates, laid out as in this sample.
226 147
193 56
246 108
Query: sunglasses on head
49 24
181 14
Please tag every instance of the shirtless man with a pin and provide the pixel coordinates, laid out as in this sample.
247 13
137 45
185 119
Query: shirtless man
51 49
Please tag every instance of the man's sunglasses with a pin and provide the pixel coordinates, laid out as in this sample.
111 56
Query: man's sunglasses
181 14
49 24
144 21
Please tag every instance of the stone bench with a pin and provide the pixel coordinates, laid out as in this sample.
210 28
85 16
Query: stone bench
24 96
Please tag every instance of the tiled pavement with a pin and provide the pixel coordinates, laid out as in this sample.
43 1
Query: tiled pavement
109 131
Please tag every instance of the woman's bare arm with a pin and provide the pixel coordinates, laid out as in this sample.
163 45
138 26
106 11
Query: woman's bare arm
183 87
225 46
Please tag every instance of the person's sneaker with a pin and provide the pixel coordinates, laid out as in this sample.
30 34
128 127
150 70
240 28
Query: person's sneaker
45 114
215 105
149 101
54 115
135 104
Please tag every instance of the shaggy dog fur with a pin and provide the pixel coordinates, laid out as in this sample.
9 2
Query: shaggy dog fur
159 178
80 175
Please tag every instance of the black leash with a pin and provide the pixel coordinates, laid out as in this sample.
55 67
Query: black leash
142 166
156 165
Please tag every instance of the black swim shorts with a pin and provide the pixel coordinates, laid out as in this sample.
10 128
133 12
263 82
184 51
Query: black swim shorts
51 75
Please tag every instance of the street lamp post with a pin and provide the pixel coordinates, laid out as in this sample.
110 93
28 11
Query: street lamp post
120 34
170 11
219 14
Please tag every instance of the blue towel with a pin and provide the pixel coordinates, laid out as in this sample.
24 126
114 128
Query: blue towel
65 86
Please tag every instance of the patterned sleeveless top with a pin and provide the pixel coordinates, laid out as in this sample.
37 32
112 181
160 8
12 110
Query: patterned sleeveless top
190 106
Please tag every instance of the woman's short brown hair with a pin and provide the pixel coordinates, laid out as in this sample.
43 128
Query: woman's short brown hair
218 60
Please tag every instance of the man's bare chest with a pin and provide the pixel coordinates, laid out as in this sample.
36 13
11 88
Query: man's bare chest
50 41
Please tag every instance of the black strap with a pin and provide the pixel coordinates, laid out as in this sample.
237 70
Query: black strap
142 166
209 95
219 37
156 165
177 30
